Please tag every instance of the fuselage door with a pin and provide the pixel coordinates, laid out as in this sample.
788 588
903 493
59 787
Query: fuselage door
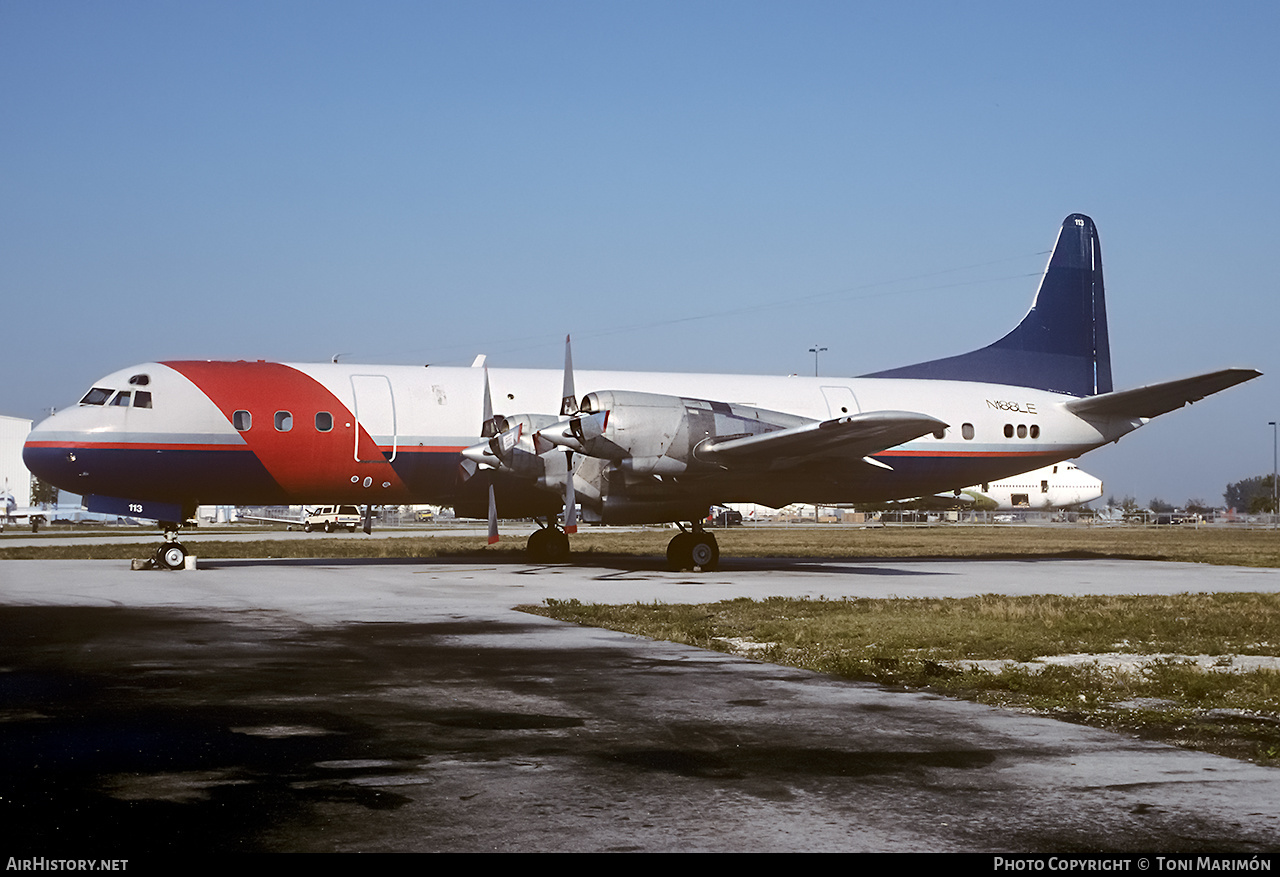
840 402
375 410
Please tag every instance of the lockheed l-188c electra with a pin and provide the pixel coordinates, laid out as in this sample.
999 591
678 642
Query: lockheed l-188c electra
156 440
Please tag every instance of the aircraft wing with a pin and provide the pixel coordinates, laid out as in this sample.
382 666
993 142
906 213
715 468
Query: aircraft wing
1156 399
266 520
857 435
943 502
937 502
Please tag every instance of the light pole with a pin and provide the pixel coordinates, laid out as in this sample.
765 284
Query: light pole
1275 488
815 350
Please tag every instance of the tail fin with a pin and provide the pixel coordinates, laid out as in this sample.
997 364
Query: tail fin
1061 344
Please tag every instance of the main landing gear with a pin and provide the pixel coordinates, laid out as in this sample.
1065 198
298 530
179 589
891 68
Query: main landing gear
548 544
688 549
693 548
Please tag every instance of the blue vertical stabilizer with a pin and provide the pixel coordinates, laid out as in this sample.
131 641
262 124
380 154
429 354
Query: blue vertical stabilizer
1061 344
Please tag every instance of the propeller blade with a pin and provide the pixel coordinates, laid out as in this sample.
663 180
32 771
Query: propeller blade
588 427
568 401
570 501
503 444
488 399
493 517
491 425
541 445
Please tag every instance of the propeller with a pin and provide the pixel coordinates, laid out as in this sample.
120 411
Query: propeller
488 454
569 405
490 427
499 447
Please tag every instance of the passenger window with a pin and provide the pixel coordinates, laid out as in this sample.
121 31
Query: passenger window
284 421
324 421
142 399
1022 430
121 400
942 433
966 430
96 396
1035 430
242 420
1008 430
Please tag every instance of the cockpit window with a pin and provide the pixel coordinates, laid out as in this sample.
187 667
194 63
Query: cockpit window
142 399
121 400
96 396
140 381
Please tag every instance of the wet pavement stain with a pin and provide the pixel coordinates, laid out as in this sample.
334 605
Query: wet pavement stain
116 721
782 762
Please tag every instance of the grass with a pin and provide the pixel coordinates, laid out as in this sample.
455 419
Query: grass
930 644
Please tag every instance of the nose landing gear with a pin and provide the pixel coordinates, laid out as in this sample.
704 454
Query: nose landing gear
171 554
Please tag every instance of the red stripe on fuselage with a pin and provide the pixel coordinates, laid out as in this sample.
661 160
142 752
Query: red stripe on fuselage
304 461
965 454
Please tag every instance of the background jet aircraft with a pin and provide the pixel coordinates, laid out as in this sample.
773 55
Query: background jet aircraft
1058 486
158 439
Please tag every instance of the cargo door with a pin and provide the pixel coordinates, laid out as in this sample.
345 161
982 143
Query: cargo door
375 411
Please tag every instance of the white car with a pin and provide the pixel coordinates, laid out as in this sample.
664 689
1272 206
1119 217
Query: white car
331 517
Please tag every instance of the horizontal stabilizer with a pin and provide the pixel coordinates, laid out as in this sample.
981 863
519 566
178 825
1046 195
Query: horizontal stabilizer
1156 399
857 435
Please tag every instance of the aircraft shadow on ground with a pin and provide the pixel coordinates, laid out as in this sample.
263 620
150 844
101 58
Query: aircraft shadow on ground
618 563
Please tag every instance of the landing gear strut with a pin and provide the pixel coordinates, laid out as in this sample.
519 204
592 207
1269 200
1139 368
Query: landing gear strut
693 548
548 544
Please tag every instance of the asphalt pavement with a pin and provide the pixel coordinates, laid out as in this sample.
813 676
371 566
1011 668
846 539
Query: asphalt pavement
360 705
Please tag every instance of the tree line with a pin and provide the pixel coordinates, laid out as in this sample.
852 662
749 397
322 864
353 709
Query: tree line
1250 496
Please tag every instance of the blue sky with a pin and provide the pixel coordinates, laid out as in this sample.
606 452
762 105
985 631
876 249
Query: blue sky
692 186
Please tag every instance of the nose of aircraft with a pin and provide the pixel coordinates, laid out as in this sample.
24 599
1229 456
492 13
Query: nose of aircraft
48 457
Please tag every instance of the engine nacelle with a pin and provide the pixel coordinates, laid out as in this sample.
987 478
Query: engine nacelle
654 434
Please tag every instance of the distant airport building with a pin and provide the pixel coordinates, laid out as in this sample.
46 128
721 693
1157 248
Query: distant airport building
15 480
